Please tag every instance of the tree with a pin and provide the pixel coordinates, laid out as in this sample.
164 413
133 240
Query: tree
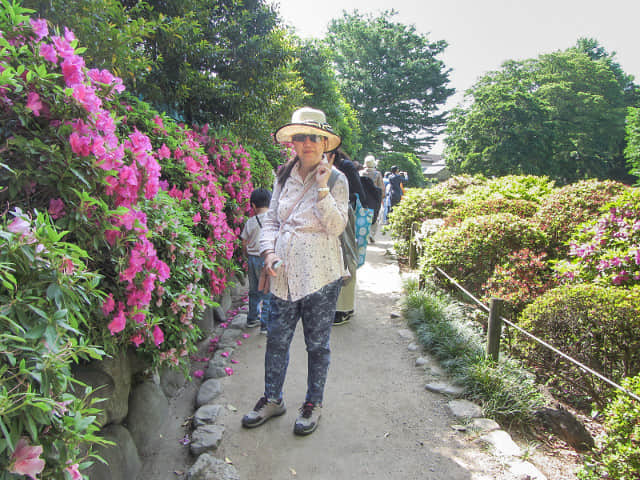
632 151
560 115
321 85
390 74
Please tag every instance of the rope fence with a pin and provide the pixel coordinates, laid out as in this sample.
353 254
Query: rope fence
494 337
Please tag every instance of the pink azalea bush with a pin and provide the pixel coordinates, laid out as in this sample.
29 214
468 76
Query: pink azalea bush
150 209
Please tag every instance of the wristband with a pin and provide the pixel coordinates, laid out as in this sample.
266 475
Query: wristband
323 189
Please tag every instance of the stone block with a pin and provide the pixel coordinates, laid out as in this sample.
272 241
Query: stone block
148 414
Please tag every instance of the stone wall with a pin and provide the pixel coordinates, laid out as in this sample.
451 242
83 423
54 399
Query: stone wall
130 406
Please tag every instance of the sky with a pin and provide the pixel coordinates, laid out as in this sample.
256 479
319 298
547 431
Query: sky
482 34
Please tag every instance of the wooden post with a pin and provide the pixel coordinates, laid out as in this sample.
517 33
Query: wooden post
494 328
413 250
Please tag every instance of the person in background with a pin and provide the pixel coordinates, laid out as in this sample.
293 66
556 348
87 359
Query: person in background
300 246
345 306
397 182
387 198
370 171
250 236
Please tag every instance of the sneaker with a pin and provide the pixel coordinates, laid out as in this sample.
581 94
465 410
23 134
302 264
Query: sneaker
308 419
371 240
263 330
263 411
342 317
253 323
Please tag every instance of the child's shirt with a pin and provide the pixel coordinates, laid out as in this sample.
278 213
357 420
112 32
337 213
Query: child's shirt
251 233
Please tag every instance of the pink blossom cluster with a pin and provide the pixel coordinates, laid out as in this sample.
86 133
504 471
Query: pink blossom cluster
610 251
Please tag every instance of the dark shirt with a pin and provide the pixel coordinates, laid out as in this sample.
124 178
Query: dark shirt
395 181
353 177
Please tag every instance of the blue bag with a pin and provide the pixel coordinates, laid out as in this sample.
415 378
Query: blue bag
363 219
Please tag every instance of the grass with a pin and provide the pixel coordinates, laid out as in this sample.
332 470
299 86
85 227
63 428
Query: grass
506 391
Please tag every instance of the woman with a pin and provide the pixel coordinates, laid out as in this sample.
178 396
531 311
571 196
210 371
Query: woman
303 264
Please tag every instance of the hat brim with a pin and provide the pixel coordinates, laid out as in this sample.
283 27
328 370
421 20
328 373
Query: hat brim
285 134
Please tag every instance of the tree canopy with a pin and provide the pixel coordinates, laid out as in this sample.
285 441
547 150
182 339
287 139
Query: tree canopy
561 114
390 74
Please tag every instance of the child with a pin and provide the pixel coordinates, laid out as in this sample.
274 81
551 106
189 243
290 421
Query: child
250 236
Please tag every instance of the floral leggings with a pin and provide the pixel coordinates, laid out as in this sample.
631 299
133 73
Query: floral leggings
317 311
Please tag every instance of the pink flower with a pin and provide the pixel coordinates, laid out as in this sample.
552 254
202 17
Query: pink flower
26 459
158 336
67 267
39 27
74 472
234 361
197 218
228 370
48 53
137 339
56 208
245 335
108 305
198 373
19 226
118 323
34 104
239 342
224 354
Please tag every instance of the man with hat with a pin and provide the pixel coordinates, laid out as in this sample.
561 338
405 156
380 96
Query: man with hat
300 245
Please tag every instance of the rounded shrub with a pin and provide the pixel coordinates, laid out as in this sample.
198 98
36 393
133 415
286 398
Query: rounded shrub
514 187
598 326
470 251
565 208
487 206
618 457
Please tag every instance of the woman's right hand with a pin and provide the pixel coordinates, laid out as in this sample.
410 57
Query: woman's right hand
267 271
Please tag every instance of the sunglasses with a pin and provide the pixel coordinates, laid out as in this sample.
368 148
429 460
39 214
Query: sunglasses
301 137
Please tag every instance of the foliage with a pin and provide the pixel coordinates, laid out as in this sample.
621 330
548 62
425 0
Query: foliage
632 150
607 250
226 62
262 174
391 76
74 147
522 278
619 455
561 114
564 209
112 33
470 251
47 296
475 208
417 205
598 326
457 184
320 82
514 187
406 162
505 391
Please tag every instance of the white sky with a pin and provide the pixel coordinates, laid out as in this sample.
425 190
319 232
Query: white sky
484 33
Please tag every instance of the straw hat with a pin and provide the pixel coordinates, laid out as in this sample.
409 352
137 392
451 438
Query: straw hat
370 161
309 121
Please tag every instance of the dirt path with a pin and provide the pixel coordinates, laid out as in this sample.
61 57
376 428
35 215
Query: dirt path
378 420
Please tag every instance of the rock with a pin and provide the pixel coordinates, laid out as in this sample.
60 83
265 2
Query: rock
206 438
214 371
566 426
208 467
502 443
445 388
122 458
206 415
413 347
208 392
230 337
207 322
525 471
394 315
421 361
406 334
171 381
239 322
484 425
219 314
103 387
465 409
148 414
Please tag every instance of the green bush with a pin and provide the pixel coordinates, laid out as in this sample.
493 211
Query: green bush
470 251
487 206
596 325
513 187
618 457
564 209
416 206
458 184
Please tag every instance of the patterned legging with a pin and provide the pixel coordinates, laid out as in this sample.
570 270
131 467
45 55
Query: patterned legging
317 311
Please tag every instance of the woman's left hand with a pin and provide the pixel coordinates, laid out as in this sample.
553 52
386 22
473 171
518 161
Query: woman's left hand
323 172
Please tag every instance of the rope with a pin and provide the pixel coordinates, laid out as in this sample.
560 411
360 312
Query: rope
542 342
